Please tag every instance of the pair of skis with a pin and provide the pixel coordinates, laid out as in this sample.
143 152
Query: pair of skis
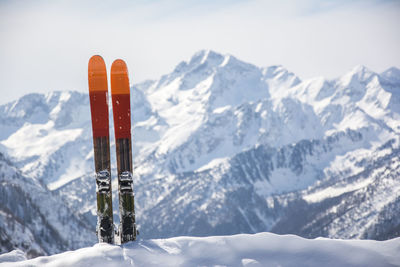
98 93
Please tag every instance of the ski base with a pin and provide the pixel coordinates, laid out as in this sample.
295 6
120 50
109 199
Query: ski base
105 227
127 227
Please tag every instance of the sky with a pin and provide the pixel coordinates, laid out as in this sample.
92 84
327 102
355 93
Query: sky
45 45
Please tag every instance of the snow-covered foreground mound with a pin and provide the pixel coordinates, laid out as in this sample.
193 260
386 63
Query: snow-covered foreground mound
262 249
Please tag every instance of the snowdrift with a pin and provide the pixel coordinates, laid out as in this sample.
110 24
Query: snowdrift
262 249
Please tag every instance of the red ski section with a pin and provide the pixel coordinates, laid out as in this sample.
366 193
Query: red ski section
122 116
121 99
99 110
98 89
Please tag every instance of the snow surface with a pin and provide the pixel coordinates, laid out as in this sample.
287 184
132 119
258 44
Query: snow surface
262 249
332 191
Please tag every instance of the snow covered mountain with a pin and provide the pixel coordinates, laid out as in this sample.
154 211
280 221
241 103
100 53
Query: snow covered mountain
33 219
225 147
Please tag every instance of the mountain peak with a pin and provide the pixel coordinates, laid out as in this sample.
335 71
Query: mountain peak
205 55
361 70
393 70
209 59
392 74
198 59
358 74
199 67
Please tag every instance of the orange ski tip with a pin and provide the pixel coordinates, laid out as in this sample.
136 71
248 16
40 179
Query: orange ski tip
119 62
96 58
96 63
118 67
97 74
119 77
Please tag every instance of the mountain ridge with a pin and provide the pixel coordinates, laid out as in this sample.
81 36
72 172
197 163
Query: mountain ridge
227 146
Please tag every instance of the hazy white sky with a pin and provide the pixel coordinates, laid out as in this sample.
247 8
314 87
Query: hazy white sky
45 45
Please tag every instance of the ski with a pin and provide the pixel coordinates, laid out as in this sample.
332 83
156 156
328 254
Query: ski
98 94
122 128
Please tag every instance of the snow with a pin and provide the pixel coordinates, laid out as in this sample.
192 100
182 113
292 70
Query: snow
213 163
262 249
12 256
221 109
75 170
38 139
392 74
331 192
